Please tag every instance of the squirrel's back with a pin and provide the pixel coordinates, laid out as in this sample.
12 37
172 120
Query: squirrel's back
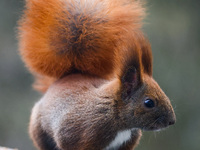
59 37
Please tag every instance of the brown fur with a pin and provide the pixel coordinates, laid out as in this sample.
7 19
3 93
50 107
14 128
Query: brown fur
81 113
58 37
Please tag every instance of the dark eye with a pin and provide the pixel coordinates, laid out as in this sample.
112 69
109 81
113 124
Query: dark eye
149 103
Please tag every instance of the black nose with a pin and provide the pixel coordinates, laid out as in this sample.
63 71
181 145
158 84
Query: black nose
172 120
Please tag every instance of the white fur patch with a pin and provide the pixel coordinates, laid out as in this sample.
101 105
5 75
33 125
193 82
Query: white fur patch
120 138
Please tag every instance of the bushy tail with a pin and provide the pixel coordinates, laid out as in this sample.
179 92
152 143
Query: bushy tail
59 37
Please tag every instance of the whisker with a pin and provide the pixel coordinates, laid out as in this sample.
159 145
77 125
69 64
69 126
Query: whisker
154 122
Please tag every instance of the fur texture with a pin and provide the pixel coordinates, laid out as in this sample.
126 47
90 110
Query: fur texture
59 37
81 113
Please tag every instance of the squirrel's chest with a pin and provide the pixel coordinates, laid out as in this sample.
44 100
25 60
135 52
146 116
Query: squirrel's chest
120 138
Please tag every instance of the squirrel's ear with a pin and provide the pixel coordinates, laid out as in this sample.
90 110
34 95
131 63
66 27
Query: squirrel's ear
130 76
129 81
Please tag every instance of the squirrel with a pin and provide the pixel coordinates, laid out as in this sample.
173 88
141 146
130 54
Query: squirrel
94 66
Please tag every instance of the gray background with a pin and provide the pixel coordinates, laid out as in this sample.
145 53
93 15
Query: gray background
174 32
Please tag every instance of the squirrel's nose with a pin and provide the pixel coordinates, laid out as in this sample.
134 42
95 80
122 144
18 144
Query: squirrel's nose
172 120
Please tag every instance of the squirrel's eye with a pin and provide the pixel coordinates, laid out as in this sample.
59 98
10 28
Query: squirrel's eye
149 103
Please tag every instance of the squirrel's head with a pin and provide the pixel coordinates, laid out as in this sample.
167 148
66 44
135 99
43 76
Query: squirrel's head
139 102
146 105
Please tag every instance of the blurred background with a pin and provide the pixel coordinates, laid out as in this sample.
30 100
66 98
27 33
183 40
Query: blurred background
173 28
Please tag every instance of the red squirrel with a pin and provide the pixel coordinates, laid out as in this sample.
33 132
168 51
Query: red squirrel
94 65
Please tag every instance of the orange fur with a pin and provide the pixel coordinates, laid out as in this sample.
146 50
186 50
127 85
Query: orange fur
42 83
59 37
